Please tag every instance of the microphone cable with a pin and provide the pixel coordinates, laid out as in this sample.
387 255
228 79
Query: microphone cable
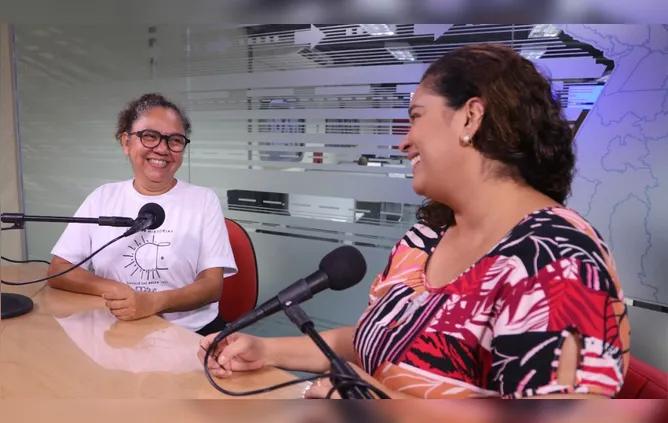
64 271
349 381
346 380
19 261
23 261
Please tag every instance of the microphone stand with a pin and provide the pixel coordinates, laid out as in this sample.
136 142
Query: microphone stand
345 388
18 219
15 305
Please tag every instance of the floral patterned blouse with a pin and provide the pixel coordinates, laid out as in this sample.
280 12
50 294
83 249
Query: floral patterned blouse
497 330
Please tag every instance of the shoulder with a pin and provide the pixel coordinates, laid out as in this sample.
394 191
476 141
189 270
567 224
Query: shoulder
559 239
421 236
198 191
196 194
110 189
413 248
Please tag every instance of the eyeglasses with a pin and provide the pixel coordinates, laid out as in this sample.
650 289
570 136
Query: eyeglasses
151 139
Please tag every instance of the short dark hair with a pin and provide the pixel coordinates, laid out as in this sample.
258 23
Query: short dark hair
134 109
523 127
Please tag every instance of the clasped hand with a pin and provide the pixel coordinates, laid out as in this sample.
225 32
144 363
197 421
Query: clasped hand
127 304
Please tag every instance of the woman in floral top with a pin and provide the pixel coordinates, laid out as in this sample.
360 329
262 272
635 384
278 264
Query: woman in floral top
499 290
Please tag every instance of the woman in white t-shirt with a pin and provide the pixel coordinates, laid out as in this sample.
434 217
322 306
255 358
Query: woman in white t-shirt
176 270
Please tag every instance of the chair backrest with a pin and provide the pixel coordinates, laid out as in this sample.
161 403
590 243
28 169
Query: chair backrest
644 381
241 290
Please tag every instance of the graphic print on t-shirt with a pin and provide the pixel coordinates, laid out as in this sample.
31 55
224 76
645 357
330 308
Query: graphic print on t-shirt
145 260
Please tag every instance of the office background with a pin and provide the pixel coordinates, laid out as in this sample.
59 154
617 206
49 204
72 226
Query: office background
296 126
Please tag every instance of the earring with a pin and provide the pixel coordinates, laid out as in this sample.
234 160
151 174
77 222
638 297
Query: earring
466 139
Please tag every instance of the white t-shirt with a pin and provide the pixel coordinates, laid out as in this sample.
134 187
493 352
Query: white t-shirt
192 238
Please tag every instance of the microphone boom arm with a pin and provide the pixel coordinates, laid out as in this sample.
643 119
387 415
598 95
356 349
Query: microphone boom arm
338 365
19 219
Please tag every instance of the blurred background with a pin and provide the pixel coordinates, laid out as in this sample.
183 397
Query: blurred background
296 127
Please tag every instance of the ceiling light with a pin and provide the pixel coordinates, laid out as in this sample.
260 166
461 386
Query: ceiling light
533 53
380 29
544 31
401 51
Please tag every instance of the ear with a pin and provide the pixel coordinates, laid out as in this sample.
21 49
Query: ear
475 111
125 143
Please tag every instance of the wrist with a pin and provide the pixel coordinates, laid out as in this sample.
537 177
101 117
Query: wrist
272 353
161 301
103 286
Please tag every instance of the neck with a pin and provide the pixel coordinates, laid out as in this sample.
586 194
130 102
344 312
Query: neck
153 188
495 205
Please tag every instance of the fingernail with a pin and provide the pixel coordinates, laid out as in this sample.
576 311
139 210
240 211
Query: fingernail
306 389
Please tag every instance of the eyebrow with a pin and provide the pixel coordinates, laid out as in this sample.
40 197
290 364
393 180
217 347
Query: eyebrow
413 107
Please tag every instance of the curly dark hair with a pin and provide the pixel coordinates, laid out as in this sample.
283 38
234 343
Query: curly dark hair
523 128
134 109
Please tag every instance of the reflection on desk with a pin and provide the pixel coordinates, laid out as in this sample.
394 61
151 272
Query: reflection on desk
136 347
70 346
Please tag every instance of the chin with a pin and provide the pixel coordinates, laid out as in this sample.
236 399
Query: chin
418 187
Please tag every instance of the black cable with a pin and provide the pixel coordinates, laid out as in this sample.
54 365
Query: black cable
67 270
23 261
19 261
355 381
350 381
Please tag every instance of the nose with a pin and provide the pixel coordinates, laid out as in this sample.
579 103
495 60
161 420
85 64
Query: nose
405 144
161 148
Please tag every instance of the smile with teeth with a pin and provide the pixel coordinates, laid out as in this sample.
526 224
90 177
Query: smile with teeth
157 163
415 160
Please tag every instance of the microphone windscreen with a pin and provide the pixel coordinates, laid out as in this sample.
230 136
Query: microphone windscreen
156 211
344 266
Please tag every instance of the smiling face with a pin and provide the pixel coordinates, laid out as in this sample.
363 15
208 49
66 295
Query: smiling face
439 144
154 168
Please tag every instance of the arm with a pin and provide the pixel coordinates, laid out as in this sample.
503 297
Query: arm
321 388
206 289
300 353
78 280
73 246
561 333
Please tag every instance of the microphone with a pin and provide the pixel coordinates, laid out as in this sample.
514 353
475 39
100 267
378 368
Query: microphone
150 216
338 270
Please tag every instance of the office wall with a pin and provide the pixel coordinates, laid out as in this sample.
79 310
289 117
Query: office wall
622 182
294 128
11 242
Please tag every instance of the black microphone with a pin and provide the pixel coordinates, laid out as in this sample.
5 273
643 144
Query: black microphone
150 216
338 270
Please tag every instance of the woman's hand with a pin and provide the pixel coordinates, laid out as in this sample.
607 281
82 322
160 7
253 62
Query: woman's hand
320 388
236 353
127 304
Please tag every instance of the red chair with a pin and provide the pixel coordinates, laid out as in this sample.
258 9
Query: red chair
644 382
241 290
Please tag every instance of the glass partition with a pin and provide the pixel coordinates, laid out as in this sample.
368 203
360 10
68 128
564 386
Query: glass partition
295 127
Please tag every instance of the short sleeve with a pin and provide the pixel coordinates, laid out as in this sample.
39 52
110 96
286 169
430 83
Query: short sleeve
75 243
536 315
215 248
409 254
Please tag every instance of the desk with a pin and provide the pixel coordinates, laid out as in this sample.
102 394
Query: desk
70 346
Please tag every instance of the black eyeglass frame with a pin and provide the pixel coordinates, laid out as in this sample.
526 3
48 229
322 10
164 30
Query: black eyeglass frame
162 137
